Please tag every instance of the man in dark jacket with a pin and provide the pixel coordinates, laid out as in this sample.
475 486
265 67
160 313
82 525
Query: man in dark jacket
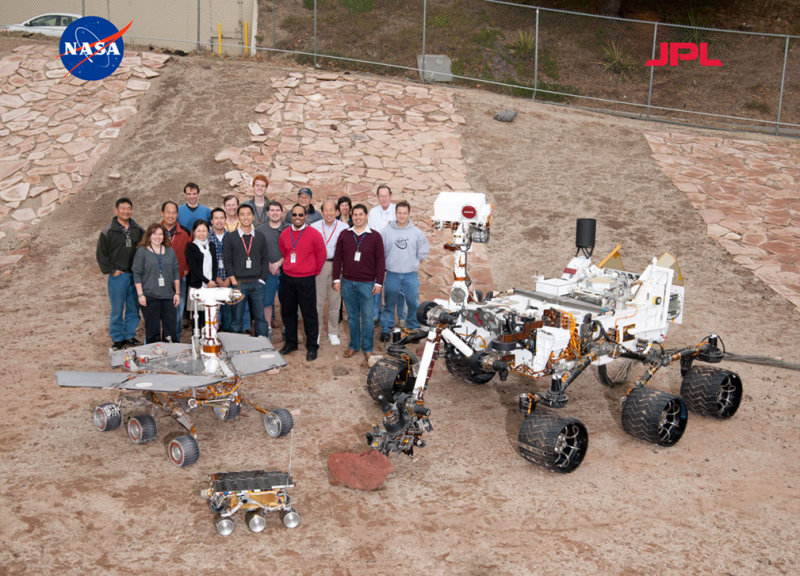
115 249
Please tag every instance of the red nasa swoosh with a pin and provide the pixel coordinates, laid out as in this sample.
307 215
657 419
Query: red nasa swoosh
110 40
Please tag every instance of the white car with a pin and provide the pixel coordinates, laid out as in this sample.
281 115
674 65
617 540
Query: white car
47 24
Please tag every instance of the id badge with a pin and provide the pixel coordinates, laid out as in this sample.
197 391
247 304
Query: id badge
248 263
161 282
357 256
128 243
293 258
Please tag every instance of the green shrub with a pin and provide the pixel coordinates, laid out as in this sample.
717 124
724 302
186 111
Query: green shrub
358 6
617 60
524 44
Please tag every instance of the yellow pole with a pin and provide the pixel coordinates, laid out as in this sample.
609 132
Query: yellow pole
219 37
246 39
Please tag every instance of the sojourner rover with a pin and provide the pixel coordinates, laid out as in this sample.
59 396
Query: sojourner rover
592 314
179 379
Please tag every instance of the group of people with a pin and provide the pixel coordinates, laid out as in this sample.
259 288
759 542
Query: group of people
338 254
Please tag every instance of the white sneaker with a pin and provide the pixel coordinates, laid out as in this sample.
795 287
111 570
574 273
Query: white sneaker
334 339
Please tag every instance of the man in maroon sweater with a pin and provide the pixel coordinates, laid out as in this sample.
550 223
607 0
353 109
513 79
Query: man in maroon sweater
179 238
303 251
358 269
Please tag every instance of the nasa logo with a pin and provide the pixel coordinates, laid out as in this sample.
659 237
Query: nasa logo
91 48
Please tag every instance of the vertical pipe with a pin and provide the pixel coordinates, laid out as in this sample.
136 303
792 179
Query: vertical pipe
246 39
274 24
424 38
315 33
219 38
536 58
783 84
198 25
83 7
652 70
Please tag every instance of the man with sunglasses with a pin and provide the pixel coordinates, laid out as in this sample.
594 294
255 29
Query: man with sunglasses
304 254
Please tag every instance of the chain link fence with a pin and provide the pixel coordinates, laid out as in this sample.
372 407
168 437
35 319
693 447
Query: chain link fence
558 56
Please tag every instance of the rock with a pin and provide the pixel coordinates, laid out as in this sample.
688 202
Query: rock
255 129
16 193
115 176
365 471
23 214
506 115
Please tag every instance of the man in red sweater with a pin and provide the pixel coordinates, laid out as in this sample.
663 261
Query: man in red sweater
303 251
179 238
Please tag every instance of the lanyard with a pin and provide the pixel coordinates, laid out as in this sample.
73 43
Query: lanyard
359 240
249 246
291 235
328 239
159 255
263 216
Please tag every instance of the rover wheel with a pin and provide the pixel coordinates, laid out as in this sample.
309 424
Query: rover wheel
616 372
183 451
459 366
142 429
224 525
553 442
227 411
291 519
387 377
217 507
654 416
255 520
278 423
106 417
711 391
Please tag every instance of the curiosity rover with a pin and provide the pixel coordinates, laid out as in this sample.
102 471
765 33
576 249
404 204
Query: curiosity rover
597 314
180 379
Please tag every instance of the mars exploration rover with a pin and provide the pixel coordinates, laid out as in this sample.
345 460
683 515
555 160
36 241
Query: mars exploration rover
179 379
597 314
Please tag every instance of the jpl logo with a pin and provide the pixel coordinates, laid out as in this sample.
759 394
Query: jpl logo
673 52
92 48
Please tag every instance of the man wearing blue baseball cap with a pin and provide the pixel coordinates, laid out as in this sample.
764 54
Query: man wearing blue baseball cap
304 199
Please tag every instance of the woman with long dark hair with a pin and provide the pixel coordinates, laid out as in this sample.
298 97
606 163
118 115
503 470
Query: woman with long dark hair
155 275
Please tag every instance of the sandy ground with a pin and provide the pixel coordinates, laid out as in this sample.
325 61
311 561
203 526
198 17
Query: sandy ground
722 501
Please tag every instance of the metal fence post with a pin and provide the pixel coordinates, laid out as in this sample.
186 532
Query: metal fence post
424 38
315 33
274 25
198 25
652 71
536 58
783 84
83 7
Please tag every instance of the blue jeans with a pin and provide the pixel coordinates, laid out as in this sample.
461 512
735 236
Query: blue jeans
124 316
270 290
179 310
359 302
395 287
253 292
225 318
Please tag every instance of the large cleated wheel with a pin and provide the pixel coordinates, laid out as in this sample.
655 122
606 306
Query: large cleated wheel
106 417
183 451
712 391
227 411
142 429
278 423
616 372
552 441
654 416
387 377
224 525
459 366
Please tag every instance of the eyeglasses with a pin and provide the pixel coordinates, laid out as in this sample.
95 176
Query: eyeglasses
298 214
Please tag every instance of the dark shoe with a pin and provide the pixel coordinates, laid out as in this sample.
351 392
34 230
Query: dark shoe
349 353
385 337
118 345
133 342
311 355
287 350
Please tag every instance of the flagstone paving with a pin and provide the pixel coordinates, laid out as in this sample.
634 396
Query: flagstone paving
54 128
345 135
748 194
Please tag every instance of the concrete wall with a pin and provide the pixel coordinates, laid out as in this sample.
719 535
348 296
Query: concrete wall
164 23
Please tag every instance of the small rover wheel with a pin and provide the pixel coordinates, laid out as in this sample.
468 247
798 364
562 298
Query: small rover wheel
142 429
224 525
255 520
616 372
711 391
554 442
654 416
459 366
106 417
387 377
183 451
291 519
278 423
227 412
219 506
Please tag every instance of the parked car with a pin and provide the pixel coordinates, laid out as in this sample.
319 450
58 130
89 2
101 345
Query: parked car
47 24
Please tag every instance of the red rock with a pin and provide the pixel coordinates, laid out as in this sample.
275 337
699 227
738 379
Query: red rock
365 471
